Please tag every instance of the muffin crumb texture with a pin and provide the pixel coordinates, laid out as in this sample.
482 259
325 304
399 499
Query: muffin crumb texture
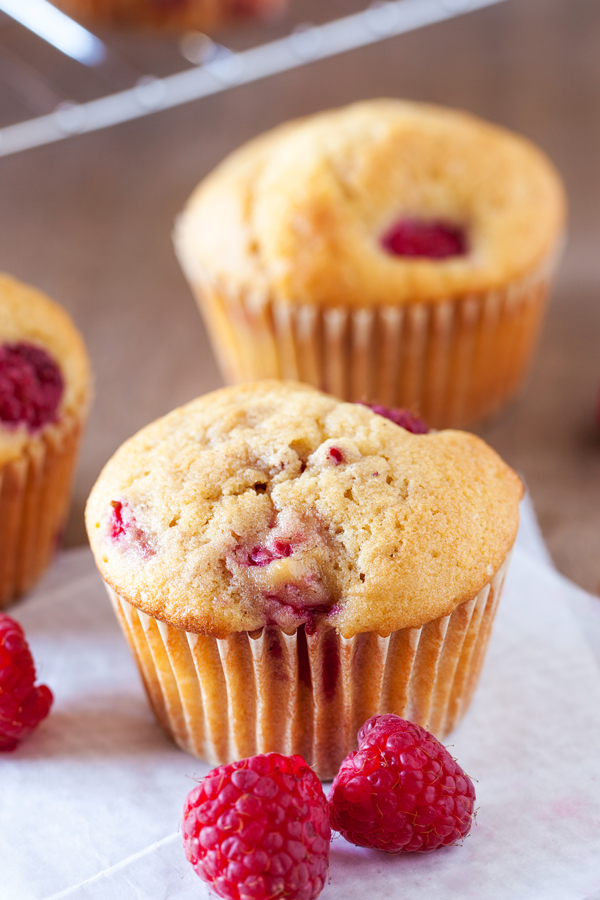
275 504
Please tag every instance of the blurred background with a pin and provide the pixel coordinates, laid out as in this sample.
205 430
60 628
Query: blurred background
88 218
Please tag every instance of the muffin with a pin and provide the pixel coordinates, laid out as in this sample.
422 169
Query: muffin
178 15
389 251
44 397
285 565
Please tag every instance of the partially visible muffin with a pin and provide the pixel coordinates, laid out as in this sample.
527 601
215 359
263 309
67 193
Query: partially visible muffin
178 15
389 251
285 565
44 399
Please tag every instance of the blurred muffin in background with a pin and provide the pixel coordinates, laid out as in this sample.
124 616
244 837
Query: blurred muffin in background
392 252
44 399
172 14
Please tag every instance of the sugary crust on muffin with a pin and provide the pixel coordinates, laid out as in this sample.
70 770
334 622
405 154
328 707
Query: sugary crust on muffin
236 515
27 314
298 214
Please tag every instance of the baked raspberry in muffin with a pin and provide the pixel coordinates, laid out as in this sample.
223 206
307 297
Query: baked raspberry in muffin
286 565
177 15
44 397
392 252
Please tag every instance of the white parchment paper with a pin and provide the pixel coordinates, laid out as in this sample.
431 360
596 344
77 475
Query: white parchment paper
90 804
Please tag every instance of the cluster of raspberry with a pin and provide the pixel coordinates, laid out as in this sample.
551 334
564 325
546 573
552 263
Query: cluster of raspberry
260 828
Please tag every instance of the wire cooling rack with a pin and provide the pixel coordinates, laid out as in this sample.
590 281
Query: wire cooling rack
37 75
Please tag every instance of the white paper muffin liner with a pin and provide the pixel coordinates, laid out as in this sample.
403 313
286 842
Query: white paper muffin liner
34 498
226 699
453 361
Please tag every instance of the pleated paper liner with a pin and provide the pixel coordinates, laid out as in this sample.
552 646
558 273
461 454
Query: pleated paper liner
454 362
265 691
34 497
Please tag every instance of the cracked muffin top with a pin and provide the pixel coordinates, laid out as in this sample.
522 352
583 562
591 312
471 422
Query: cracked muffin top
44 368
383 201
273 503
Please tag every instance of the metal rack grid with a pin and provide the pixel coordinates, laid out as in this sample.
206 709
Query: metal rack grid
215 68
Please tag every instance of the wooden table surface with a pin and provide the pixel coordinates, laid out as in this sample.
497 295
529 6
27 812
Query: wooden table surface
89 221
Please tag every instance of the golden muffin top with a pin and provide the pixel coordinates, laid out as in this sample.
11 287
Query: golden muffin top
273 503
304 213
44 367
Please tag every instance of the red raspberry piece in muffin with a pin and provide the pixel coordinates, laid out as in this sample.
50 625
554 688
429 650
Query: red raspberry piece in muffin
431 240
124 528
258 828
402 417
31 385
401 790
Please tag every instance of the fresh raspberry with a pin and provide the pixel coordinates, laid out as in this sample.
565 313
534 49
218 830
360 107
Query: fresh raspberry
257 829
402 417
22 705
31 386
401 790
431 240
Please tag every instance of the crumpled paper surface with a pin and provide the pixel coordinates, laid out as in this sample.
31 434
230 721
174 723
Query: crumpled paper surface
90 805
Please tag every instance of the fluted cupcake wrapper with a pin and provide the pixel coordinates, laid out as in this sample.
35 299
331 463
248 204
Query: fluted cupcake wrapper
453 361
34 497
226 699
